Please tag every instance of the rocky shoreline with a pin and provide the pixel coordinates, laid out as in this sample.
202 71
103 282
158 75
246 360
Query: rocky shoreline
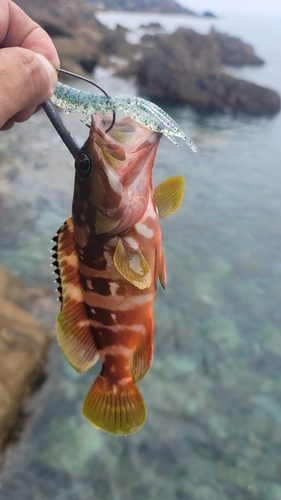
184 66
26 330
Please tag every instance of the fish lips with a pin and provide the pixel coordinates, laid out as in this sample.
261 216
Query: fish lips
126 147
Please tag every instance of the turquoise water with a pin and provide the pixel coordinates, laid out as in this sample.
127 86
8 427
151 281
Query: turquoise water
213 396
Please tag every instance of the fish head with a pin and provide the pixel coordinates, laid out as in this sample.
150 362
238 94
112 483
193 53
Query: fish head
113 179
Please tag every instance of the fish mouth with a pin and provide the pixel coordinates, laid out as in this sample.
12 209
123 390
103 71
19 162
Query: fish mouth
126 138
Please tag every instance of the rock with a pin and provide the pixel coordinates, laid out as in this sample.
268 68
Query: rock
152 26
163 6
207 13
232 50
75 31
184 66
115 44
23 347
187 66
76 54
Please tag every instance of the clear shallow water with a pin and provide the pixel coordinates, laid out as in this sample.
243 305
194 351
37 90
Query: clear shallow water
213 395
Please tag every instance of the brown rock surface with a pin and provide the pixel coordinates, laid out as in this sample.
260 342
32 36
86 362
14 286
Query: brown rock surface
187 66
23 347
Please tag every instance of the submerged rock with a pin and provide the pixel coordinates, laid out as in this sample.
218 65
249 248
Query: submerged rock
23 346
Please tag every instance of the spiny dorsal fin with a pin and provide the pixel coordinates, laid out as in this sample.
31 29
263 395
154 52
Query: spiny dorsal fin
73 327
131 263
168 195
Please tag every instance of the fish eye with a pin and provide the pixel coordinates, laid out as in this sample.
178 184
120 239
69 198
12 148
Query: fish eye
84 165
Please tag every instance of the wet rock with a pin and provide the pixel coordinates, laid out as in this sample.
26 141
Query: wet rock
23 346
187 66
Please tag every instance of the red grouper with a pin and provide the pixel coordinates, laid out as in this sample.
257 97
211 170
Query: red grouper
108 257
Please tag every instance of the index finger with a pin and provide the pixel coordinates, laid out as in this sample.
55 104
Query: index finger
17 29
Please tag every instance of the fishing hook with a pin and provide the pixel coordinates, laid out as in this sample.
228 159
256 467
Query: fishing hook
64 71
57 122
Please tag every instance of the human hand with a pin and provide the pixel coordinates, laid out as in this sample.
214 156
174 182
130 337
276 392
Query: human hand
27 61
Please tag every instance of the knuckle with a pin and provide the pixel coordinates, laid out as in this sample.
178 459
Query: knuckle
33 75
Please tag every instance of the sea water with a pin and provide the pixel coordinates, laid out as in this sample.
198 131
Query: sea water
213 396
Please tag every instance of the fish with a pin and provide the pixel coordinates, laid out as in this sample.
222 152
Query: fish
142 111
108 257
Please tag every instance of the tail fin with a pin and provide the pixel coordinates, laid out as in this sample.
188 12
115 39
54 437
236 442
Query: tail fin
115 408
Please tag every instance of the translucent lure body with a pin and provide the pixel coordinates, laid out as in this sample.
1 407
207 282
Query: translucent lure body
144 112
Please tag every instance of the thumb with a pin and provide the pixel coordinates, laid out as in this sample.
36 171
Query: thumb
26 80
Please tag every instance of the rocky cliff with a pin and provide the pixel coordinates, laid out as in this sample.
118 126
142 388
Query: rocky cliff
184 66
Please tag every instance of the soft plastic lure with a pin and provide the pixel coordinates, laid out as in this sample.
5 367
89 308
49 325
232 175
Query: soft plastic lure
144 112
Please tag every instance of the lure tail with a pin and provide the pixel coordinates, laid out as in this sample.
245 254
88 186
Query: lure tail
115 407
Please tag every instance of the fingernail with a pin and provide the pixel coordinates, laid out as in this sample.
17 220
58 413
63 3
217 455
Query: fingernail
50 70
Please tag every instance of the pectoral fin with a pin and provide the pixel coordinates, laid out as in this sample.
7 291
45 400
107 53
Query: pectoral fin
168 195
131 263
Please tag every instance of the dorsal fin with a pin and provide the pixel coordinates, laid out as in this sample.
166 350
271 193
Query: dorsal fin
168 195
131 263
73 327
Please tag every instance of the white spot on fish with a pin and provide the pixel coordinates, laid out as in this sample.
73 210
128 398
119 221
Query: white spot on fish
71 260
112 242
93 311
70 225
83 323
116 302
73 291
108 259
151 210
117 328
113 316
115 350
89 285
113 287
133 243
124 381
144 230
135 264
112 369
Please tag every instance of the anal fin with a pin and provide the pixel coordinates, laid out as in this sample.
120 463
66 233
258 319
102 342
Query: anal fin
143 355
73 327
